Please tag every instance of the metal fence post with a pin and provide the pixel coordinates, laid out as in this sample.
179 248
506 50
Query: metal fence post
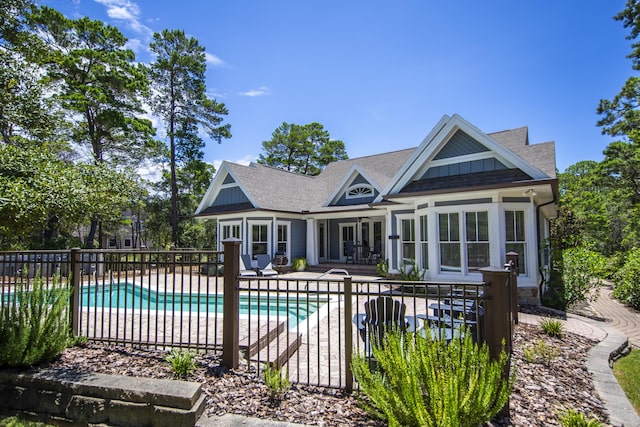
231 319
75 257
348 330
512 260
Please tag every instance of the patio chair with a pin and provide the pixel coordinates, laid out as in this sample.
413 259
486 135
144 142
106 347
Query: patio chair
265 268
350 252
246 269
383 314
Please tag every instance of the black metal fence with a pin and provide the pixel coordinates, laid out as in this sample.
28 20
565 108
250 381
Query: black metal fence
310 325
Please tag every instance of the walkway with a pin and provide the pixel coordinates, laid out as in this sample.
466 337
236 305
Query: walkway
618 316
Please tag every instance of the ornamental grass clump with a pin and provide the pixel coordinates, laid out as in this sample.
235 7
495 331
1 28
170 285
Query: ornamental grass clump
419 381
276 383
34 322
182 362
552 327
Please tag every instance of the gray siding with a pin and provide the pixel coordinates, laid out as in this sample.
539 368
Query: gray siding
298 238
230 196
475 166
460 144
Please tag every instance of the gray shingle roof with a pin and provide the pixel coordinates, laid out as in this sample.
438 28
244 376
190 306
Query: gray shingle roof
274 189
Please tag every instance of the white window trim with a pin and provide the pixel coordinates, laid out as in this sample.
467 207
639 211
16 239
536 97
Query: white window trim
530 237
399 242
222 224
288 253
268 223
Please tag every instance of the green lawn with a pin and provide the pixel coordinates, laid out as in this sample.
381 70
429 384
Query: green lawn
17 422
627 371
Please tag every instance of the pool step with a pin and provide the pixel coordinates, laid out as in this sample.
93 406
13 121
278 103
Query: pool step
280 349
261 338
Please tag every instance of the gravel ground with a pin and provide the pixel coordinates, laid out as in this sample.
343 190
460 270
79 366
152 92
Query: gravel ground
539 391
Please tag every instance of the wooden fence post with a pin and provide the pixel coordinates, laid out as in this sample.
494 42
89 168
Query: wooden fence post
75 258
512 261
231 309
348 330
497 317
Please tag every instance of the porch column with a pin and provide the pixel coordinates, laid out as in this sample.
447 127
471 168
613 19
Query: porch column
312 244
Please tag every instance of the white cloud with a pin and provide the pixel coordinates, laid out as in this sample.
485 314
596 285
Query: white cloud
135 45
213 60
127 12
261 91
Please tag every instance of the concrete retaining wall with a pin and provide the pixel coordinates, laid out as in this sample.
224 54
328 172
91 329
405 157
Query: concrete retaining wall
89 398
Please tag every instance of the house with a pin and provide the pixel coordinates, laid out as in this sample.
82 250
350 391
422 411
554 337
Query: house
458 202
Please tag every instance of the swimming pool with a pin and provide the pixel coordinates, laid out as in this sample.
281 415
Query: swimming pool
132 296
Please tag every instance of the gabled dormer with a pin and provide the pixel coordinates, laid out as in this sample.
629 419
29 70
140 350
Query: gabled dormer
456 154
224 193
356 188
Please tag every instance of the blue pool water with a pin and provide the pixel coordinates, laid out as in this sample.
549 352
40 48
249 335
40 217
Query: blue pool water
131 296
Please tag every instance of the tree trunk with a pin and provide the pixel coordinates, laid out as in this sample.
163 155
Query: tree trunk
93 229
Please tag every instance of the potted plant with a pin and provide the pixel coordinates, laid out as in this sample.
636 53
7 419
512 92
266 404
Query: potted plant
300 264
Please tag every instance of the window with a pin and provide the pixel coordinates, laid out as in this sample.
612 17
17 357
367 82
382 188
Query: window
127 243
359 190
477 227
449 234
515 237
259 239
408 237
230 230
283 239
424 243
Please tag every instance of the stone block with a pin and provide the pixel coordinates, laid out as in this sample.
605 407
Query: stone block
131 414
13 396
88 409
52 402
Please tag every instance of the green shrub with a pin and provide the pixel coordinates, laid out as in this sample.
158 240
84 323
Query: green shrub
300 264
383 268
627 287
277 384
572 418
34 323
419 381
410 271
552 327
182 362
540 352
582 270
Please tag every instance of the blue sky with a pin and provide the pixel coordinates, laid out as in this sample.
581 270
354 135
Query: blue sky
379 75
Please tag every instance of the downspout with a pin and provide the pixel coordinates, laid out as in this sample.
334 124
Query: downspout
538 237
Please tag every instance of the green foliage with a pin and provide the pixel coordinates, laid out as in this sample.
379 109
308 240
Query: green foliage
627 372
627 280
419 381
179 98
383 268
581 274
34 324
276 383
304 149
540 352
569 417
300 264
182 362
552 327
410 271
19 422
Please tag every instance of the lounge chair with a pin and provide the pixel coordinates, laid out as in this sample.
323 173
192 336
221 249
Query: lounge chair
265 268
246 269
